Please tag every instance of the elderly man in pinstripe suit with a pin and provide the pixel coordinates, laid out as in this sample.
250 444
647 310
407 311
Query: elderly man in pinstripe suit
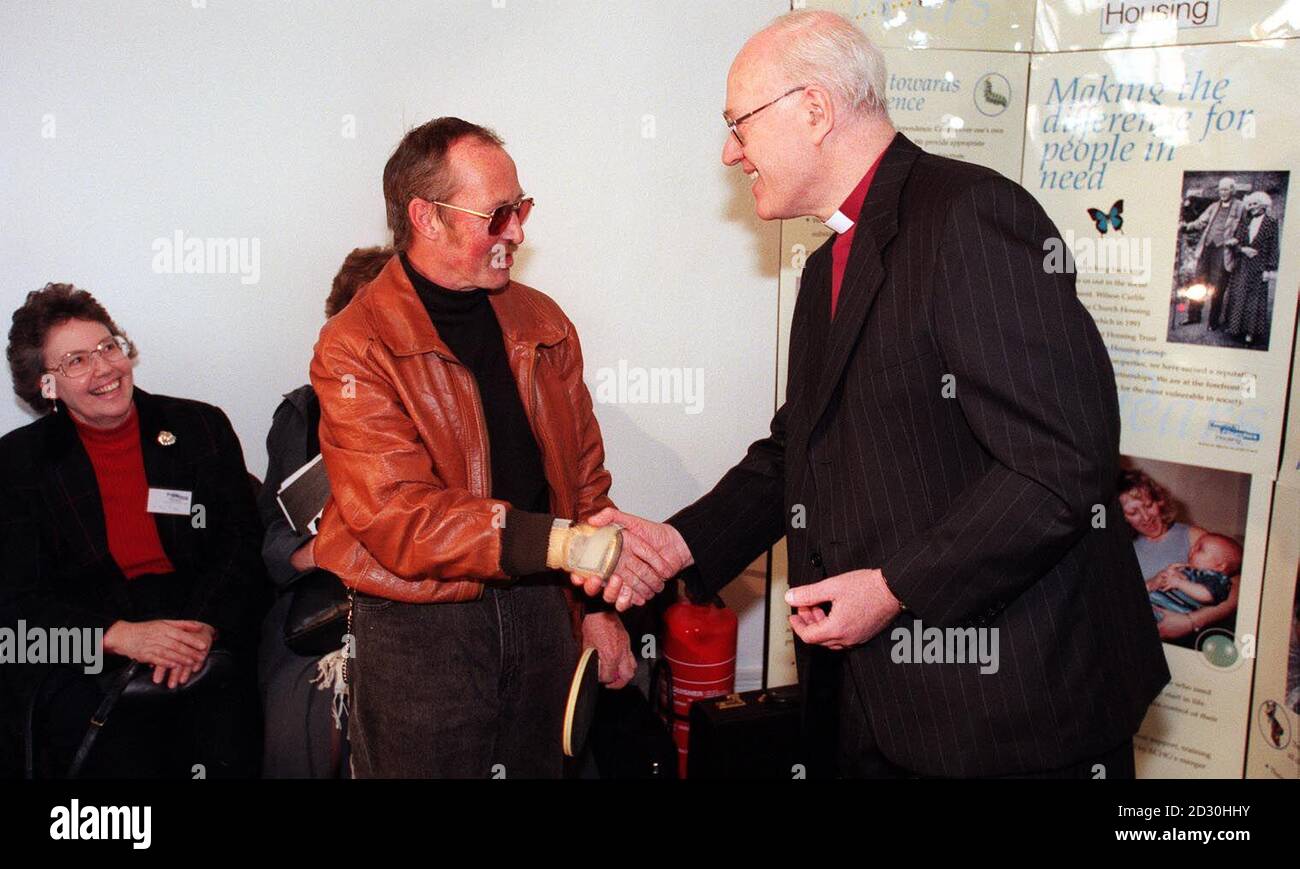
949 437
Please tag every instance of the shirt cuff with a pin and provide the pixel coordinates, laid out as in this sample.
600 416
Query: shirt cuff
523 542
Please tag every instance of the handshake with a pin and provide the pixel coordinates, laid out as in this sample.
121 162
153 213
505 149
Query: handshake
625 573
838 612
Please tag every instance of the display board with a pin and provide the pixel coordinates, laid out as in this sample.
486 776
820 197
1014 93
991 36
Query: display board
986 25
1274 751
1072 25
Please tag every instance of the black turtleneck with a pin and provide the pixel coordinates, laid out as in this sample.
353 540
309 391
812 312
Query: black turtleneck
465 321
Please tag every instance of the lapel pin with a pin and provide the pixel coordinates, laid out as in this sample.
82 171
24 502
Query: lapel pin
166 438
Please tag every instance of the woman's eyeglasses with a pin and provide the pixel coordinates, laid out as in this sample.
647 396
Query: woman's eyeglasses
499 216
79 362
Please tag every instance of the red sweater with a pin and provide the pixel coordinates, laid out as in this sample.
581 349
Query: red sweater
124 492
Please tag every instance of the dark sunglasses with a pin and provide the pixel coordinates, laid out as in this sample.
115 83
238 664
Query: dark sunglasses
499 216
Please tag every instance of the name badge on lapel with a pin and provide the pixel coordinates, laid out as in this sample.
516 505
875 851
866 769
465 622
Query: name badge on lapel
174 502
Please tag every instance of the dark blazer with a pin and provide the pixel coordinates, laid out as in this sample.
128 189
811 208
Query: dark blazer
290 444
298 717
956 426
58 571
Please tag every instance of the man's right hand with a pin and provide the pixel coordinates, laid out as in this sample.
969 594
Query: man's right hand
653 553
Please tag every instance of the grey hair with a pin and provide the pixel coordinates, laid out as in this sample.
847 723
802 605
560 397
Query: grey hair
828 49
1258 196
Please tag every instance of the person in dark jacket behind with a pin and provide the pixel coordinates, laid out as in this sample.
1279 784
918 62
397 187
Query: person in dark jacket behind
305 732
132 515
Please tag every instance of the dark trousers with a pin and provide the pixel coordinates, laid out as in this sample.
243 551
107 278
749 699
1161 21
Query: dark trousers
858 755
461 690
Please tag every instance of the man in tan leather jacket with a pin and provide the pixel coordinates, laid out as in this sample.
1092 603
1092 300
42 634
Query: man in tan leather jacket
459 437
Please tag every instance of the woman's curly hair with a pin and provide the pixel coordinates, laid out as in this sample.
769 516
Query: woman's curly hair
1140 484
50 306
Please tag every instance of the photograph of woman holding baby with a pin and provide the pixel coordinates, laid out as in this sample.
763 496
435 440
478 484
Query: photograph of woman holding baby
1193 574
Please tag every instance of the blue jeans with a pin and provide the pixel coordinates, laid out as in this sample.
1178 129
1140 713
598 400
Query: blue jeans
461 690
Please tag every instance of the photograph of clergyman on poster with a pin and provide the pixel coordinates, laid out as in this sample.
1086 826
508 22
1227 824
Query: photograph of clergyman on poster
1225 267
1188 527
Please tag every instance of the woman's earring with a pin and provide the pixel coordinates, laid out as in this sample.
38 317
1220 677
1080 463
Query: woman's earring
48 391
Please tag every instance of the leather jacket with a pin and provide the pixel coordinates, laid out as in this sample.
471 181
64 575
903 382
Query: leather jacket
405 442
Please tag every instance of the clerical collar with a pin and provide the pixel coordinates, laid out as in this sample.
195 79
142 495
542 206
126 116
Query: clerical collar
838 222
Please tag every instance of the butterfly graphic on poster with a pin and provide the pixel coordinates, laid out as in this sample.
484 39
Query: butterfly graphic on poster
1107 220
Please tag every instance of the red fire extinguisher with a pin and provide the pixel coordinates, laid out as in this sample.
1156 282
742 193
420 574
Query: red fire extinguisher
699 661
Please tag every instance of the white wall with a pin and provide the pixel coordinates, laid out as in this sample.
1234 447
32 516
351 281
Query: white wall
126 122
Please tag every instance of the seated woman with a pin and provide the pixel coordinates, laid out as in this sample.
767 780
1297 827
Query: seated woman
133 514
305 730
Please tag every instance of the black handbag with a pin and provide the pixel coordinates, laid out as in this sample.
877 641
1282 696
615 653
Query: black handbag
134 682
217 667
318 614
